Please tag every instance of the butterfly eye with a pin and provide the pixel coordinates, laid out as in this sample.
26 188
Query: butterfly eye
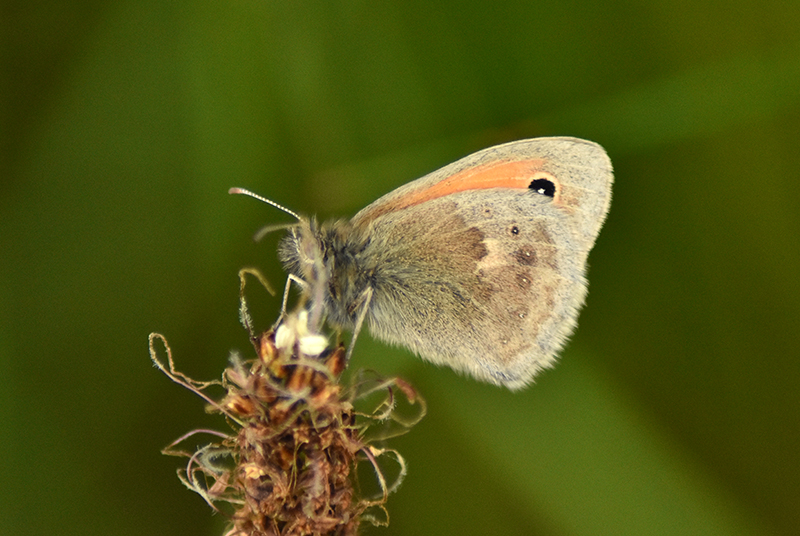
544 187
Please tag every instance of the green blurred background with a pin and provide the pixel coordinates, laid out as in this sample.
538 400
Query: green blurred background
674 410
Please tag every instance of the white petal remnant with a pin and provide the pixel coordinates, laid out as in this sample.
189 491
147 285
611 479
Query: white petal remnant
285 337
294 330
313 345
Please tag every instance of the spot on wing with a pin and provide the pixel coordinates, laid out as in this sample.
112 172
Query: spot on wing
523 279
542 246
526 256
543 186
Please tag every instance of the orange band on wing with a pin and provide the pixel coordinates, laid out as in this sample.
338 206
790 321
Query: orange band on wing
516 174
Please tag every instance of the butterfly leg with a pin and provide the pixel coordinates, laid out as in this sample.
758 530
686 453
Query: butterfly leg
362 305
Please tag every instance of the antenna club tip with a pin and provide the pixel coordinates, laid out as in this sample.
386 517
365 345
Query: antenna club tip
235 190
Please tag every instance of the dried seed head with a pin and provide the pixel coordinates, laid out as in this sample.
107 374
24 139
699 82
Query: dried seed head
289 466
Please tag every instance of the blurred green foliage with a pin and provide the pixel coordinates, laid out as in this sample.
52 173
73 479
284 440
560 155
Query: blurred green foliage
675 409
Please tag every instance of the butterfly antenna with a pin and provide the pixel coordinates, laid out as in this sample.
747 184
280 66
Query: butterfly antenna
264 200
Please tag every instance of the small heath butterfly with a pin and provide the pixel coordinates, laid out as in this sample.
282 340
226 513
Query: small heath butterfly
479 266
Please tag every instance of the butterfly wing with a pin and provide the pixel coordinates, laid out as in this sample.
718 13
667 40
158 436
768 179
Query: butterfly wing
481 264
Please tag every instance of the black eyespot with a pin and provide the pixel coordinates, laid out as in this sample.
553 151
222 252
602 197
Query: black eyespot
544 187
514 230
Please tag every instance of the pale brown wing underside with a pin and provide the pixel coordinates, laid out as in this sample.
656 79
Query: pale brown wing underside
488 280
